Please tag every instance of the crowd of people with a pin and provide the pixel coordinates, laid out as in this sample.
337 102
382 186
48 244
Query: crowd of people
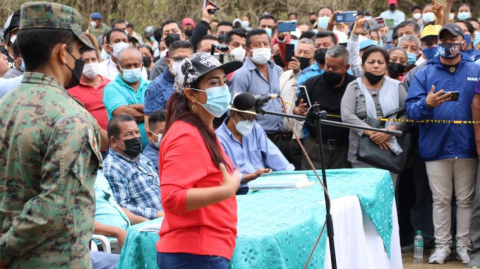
104 128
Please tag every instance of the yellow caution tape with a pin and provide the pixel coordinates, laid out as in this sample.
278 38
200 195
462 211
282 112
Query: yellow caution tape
420 121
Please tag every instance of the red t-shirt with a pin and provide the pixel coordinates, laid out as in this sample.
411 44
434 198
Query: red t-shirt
185 163
92 99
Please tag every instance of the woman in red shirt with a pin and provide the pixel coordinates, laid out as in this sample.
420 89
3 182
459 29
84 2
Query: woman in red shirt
197 185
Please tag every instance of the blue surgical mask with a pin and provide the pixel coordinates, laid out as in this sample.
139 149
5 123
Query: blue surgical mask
477 39
218 100
132 75
152 39
323 22
430 53
245 24
381 43
428 16
412 58
464 15
23 67
468 39
269 32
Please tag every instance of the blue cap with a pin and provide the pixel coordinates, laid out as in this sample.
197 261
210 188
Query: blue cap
367 43
96 16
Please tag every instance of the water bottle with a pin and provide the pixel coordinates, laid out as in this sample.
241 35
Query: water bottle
418 248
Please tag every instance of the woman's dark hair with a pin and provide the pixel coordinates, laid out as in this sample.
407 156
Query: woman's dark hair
468 24
147 47
177 109
374 49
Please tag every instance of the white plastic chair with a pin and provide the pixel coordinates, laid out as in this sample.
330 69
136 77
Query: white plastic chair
103 240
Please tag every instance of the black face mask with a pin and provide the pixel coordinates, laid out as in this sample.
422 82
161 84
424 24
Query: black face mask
304 62
76 72
147 61
189 32
278 60
395 69
312 21
133 146
332 78
373 79
392 7
319 56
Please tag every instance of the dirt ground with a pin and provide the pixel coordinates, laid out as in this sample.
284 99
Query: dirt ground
452 264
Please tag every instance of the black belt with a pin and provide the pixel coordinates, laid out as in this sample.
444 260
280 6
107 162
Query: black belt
280 136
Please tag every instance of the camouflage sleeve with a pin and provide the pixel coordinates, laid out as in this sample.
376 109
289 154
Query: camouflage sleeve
65 206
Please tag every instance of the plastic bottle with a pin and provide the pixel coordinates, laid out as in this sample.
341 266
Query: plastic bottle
418 248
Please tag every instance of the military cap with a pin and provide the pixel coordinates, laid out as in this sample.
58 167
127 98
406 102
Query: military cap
47 15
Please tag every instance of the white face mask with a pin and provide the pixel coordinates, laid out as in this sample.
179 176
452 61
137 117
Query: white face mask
417 16
175 66
261 56
93 24
239 53
159 136
244 127
91 70
428 16
368 18
245 24
117 48
163 53
452 16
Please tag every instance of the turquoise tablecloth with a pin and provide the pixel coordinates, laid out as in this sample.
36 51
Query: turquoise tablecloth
278 228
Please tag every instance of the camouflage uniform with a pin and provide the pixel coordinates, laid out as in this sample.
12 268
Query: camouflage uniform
98 32
49 155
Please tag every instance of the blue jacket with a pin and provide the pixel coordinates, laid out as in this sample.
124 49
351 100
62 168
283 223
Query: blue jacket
444 141
475 54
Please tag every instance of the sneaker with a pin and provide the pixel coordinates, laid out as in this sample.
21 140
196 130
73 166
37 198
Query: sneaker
407 249
440 255
474 262
462 254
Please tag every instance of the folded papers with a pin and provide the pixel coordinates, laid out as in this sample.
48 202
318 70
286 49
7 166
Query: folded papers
293 181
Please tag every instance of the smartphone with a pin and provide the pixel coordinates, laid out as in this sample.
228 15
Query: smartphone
374 24
290 26
348 16
304 95
289 52
208 2
455 95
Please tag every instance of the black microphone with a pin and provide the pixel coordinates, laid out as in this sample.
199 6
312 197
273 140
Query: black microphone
247 101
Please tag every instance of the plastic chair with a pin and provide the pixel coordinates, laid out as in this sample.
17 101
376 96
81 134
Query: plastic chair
103 240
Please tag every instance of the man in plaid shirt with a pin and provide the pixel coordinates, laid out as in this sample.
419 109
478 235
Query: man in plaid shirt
131 175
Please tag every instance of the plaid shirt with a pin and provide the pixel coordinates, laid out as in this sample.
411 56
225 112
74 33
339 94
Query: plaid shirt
135 184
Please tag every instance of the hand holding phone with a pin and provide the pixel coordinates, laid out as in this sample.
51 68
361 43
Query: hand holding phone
454 95
289 52
283 27
347 16
304 95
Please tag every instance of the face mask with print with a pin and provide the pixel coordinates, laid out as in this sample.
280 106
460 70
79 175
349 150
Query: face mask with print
218 100
132 75
244 127
449 50
323 22
261 55
91 70
464 15
118 47
238 53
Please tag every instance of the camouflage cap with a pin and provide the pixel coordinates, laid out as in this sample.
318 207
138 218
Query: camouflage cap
49 15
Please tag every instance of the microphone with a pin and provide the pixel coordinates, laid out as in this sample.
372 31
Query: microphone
247 101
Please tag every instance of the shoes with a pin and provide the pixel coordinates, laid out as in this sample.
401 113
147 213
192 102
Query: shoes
474 262
407 249
462 254
440 255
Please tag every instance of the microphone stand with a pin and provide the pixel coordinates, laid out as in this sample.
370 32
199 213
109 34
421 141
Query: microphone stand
319 116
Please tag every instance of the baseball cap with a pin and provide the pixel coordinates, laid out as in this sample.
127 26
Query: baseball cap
367 43
236 20
12 23
431 30
454 29
188 21
196 66
392 2
96 16
47 15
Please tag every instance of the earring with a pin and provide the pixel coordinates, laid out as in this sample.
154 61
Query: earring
194 108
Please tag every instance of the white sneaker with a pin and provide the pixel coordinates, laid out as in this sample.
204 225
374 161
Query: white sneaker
440 255
462 254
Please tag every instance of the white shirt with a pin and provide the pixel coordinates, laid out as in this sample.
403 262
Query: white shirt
109 70
397 16
8 84
288 92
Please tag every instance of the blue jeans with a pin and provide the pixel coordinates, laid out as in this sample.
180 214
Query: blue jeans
190 261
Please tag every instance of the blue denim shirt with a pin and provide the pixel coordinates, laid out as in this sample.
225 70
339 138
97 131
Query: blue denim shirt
152 152
249 79
255 151
158 92
107 211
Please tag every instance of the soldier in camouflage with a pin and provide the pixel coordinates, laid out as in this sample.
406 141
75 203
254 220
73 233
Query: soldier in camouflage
97 27
49 150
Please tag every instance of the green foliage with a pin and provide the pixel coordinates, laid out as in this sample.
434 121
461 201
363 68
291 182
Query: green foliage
152 12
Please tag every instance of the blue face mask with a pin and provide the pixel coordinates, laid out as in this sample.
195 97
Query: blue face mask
132 75
477 39
152 39
218 100
412 58
269 32
381 43
468 39
23 67
463 15
323 22
430 53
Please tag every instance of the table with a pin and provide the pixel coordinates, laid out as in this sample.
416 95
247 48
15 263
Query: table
278 228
